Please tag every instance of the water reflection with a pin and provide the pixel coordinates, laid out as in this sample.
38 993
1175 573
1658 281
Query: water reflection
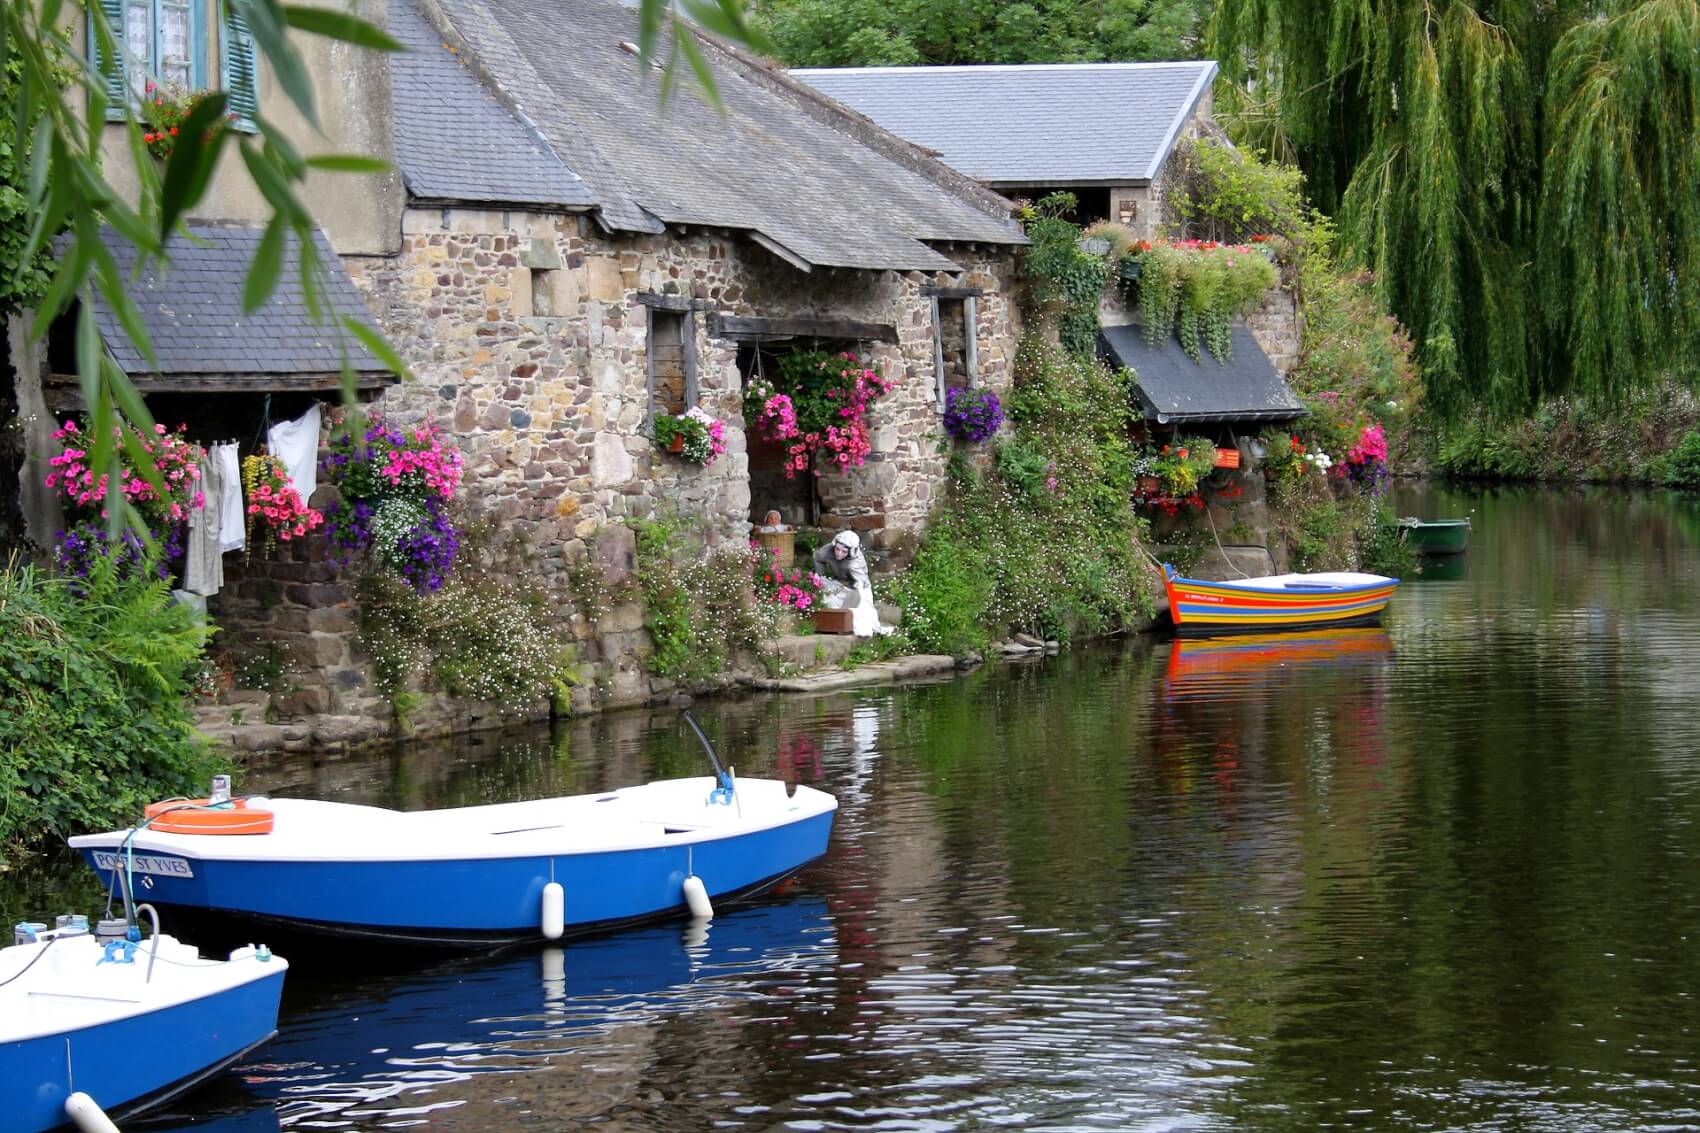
1445 875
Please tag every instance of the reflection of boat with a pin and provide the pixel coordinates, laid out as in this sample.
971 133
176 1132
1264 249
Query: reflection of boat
471 1033
1445 568
1203 661
1276 602
1435 536
483 874
130 1024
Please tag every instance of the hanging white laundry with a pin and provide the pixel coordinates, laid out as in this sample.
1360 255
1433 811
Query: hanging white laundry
296 446
203 565
232 515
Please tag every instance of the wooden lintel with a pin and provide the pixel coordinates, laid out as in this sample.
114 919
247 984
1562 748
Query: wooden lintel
745 329
664 302
952 292
244 383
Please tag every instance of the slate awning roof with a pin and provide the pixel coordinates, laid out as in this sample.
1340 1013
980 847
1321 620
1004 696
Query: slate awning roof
1031 124
793 171
192 308
1173 389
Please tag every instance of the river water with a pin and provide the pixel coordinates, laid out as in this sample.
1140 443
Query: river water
1444 875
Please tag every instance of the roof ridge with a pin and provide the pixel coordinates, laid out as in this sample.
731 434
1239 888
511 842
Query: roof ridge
981 68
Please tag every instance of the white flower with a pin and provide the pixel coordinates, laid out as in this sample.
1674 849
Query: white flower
695 413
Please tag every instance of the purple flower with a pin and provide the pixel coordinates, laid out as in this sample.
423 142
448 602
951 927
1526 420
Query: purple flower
428 550
972 414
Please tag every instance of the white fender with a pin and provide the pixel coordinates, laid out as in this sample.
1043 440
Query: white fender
554 910
86 1115
696 898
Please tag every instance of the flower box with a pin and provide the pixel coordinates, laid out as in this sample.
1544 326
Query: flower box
677 444
1227 458
833 621
1149 485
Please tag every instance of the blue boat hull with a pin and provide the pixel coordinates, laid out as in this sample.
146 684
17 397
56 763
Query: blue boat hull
479 901
135 1063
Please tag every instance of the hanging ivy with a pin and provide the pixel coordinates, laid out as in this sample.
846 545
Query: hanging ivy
1194 289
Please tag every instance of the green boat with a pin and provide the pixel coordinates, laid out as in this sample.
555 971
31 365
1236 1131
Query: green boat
1436 536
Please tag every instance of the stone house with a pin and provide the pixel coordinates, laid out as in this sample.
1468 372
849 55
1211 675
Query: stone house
576 256
558 256
1102 131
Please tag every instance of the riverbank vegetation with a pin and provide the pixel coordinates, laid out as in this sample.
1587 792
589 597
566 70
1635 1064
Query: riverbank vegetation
95 675
1043 541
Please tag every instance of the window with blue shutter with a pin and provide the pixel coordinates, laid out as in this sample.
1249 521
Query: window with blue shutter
241 71
160 41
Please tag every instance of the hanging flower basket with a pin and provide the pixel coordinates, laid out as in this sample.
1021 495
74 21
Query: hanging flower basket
1149 485
1227 458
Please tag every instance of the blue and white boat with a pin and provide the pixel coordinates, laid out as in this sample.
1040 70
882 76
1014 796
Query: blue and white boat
128 1024
544 869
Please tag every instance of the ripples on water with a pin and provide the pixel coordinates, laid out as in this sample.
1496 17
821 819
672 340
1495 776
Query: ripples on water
1441 876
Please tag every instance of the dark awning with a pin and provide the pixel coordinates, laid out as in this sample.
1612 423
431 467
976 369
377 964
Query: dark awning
1173 389
192 309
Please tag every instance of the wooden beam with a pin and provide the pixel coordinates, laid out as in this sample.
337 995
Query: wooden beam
664 302
749 329
243 383
952 292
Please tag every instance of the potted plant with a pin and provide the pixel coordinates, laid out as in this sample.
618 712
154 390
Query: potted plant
1181 465
693 435
817 405
972 415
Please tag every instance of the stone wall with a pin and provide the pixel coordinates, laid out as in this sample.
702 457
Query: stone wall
528 334
1276 327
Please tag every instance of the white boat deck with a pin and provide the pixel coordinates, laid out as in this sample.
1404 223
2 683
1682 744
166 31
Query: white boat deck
669 812
59 984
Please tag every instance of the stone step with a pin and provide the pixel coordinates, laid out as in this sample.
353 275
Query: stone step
809 651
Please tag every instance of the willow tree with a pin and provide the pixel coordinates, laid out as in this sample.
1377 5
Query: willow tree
1521 176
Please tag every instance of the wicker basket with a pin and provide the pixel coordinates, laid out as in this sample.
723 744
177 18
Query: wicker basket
782 542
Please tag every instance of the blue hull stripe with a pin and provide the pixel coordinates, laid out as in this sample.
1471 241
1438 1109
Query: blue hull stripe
122 1062
489 896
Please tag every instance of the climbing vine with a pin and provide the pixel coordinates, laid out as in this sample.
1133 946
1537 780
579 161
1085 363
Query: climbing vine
1062 279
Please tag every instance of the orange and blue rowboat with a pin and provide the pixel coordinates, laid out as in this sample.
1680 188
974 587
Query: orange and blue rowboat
1276 602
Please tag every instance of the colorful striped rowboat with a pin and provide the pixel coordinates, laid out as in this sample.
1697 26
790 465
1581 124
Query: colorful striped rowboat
1276 602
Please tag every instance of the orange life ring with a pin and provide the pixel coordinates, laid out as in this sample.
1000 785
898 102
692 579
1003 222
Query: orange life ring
199 816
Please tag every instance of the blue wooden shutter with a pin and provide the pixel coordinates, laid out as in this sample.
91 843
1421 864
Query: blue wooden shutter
241 70
117 88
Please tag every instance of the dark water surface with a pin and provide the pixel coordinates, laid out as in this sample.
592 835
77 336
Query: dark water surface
1441 876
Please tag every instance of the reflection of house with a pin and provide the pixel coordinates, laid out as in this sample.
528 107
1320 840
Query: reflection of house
1103 131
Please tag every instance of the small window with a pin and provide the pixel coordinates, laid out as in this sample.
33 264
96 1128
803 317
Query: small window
543 292
672 369
955 356
165 42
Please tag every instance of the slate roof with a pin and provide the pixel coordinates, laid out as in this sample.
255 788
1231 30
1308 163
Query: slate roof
798 174
1173 389
193 310
1031 124
455 141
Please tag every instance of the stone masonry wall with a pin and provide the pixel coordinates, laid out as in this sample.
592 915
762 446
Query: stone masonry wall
551 409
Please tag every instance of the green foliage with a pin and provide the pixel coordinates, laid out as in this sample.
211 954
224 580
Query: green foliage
1051 548
1194 291
1062 280
1354 358
845 33
1226 194
95 677
1681 467
23 277
700 610
1520 178
489 633
1382 548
